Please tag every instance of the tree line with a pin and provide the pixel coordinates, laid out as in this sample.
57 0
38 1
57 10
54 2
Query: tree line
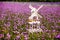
33 0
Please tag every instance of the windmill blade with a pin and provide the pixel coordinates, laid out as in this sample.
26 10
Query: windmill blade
40 7
30 6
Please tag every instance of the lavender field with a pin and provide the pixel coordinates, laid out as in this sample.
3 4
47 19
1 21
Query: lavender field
14 21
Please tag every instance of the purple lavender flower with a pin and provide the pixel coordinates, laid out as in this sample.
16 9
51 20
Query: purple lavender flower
15 27
17 37
8 35
1 35
54 30
58 36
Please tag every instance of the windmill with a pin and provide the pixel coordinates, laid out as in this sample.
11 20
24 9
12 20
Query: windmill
32 21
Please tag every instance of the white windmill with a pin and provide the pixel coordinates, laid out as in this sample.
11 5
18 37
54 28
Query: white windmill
32 21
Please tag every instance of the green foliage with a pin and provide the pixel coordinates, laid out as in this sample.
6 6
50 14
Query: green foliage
22 37
35 36
58 23
12 35
23 28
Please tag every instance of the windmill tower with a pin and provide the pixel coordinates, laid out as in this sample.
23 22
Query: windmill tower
34 19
